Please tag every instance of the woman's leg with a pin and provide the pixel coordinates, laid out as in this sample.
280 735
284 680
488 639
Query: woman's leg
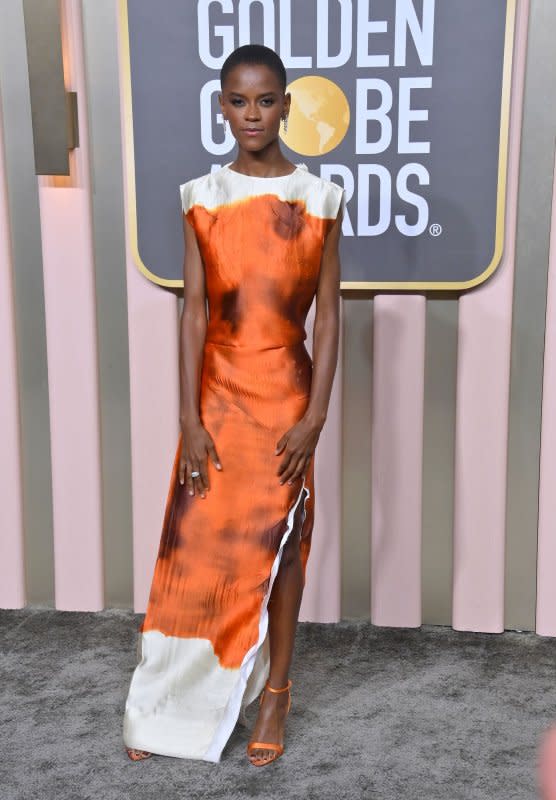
283 611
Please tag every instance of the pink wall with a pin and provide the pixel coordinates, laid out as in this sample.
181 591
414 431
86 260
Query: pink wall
546 582
397 455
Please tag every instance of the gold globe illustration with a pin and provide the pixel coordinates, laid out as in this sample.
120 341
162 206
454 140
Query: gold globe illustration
318 118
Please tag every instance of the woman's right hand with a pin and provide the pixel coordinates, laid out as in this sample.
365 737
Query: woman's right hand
197 443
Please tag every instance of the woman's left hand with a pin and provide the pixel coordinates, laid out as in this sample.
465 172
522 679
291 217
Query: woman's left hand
298 444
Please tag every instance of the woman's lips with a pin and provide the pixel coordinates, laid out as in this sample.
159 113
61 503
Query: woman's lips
252 131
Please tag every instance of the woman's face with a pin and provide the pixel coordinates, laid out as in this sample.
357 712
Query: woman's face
253 102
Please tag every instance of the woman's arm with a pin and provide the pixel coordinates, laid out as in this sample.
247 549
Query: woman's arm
326 328
197 442
300 440
193 326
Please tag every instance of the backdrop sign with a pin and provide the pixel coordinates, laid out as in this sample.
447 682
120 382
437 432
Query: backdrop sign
405 103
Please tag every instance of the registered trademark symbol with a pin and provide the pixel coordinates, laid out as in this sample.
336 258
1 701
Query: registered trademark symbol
435 229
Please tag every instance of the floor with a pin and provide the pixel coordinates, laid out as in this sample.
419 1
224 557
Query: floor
385 713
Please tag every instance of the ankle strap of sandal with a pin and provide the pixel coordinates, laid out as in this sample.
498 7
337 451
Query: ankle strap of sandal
276 691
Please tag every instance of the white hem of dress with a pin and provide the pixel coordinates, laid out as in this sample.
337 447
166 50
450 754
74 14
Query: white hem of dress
255 664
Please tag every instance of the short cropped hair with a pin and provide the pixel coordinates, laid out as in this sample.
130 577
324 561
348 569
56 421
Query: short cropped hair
254 54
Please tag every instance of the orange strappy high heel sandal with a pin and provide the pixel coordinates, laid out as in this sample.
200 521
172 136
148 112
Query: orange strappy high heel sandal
278 749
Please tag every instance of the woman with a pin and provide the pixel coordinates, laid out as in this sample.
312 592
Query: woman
261 240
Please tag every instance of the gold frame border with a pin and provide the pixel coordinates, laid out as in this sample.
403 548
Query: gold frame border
125 74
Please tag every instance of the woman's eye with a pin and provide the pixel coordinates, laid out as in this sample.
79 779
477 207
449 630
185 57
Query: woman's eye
266 101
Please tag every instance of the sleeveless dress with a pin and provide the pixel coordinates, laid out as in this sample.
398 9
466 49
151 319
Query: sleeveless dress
203 651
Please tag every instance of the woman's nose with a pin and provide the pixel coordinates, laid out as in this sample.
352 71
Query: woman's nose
252 112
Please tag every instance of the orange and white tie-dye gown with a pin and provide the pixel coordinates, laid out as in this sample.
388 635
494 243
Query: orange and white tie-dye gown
203 641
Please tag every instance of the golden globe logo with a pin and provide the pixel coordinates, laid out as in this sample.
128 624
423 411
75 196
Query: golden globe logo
319 116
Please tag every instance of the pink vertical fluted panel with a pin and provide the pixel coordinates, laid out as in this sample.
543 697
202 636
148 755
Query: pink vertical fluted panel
397 456
12 573
73 393
154 377
321 596
546 557
483 372
69 289
154 393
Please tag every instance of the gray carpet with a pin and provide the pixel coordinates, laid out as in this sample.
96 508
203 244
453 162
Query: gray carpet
376 713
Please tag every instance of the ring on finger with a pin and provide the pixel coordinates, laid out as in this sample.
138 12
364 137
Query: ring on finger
195 474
